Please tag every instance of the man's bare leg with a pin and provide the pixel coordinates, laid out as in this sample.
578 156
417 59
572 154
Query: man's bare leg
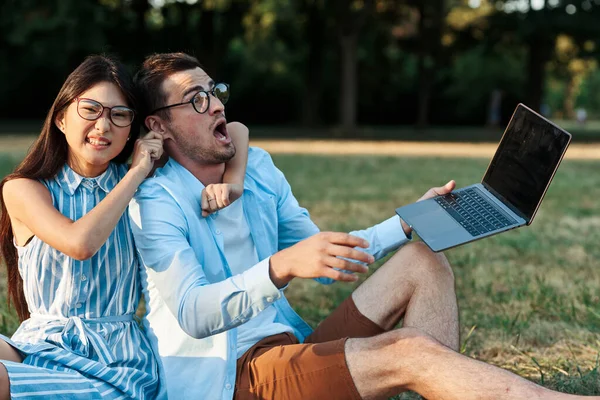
407 359
416 284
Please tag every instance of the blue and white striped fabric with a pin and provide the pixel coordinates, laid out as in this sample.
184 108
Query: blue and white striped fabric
82 341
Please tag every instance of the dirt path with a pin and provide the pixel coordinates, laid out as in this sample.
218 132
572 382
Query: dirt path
20 143
435 149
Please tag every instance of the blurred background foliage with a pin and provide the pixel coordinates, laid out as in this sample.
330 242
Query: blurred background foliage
324 62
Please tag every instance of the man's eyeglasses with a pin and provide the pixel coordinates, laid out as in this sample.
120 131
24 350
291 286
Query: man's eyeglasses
201 100
91 110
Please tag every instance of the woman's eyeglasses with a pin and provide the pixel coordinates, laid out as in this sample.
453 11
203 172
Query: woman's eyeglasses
91 110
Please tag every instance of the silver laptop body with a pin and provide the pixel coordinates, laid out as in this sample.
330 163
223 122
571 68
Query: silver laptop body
510 193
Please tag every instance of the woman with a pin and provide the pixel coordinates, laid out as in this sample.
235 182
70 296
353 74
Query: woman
72 270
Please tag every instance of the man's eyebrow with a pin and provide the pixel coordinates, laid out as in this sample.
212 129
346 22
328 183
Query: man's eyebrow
197 88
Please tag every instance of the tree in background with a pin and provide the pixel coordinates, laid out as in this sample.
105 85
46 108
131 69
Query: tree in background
40 43
432 16
319 62
536 25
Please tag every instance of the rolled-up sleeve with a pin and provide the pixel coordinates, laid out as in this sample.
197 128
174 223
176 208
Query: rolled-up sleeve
384 237
295 224
202 308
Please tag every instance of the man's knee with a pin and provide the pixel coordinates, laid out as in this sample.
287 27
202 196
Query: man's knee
393 362
412 351
422 262
408 344
411 341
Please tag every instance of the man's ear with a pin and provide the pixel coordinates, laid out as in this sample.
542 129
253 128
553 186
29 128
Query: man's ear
59 121
156 124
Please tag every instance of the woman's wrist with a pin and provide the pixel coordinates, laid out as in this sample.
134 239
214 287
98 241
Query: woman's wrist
137 174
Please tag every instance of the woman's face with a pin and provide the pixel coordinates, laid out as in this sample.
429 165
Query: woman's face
94 143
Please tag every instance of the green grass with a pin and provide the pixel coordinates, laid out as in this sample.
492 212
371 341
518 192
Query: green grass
588 133
529 299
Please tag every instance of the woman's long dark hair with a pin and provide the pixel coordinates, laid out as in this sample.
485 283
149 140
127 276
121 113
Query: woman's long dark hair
49 153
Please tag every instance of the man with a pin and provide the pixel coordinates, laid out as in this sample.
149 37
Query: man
217 316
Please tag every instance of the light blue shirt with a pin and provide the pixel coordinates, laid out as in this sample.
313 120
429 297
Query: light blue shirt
240 253
189 287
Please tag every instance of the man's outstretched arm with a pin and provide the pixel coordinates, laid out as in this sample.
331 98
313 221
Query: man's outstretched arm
203 308
295 225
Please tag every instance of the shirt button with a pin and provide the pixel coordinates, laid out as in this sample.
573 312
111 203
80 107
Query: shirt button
228 386
269 299
78 305
218 232
83 278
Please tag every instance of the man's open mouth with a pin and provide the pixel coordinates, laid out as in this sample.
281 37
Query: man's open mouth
221 131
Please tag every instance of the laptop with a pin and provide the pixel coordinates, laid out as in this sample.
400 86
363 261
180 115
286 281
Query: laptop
510 194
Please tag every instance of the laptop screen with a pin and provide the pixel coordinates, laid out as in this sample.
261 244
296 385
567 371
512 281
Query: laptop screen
526 159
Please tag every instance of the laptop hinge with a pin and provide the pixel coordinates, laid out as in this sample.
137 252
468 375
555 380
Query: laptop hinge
505 202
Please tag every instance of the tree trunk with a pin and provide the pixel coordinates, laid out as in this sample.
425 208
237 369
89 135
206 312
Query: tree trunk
424 92
540 49
431 26
541 46
311 100
423 99
349 23
206 42
313 76
140 8
348 82
569 100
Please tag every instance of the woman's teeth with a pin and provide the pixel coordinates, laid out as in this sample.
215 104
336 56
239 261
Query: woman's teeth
96 142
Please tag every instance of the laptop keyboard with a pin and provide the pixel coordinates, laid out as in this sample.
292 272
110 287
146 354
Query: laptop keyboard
474 212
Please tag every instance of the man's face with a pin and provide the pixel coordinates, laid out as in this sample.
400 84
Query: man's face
202 138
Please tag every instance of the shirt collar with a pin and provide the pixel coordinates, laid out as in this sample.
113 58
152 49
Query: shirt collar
70 180
193 184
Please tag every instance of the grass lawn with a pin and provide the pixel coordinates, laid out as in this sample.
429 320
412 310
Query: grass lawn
529 299
588 133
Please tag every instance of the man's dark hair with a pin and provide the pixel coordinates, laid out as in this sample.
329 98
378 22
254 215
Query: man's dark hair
148 80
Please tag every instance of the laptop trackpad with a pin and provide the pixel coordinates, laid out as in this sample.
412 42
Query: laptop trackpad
429 219
436 222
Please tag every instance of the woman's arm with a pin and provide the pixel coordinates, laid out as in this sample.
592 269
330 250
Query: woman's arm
218 196
29 205
235 169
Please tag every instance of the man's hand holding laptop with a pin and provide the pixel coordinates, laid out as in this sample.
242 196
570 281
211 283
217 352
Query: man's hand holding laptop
430 194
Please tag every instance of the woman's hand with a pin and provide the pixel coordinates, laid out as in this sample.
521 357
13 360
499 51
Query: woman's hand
146 151
219 195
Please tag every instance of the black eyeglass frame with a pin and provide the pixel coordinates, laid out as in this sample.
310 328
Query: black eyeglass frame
110 117
191 101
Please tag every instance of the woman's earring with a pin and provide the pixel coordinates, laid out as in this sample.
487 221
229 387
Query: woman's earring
128 137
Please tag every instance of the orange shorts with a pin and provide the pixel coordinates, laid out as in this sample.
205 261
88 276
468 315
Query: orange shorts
280 368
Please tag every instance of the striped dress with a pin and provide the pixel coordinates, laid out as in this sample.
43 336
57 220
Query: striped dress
82 341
